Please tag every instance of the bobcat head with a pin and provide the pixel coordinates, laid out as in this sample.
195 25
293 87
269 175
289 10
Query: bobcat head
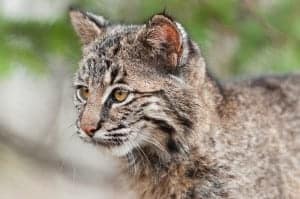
137 86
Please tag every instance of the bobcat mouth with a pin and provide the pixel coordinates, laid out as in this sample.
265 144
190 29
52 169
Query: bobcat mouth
110 139
106 139
117 142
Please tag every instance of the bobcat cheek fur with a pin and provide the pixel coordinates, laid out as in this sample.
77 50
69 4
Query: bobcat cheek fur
181 133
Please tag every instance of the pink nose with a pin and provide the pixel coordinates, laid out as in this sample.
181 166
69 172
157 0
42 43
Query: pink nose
89 129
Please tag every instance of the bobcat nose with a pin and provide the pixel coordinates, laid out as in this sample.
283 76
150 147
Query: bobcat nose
90 129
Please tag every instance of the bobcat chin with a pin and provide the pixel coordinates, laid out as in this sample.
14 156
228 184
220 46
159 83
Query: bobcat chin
143 93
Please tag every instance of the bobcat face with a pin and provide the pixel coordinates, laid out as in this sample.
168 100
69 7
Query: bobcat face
129 89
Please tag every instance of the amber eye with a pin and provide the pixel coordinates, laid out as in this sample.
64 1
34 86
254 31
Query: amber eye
83 93
120 95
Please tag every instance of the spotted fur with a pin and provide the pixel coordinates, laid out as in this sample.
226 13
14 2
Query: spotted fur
181 134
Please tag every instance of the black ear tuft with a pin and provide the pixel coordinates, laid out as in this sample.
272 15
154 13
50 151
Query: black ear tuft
165 14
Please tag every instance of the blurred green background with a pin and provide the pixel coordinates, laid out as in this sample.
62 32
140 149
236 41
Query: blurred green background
238 37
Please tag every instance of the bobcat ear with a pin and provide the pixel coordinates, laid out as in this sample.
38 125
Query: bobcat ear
166 37
87 26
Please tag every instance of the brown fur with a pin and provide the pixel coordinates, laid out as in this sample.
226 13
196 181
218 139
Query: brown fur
180 134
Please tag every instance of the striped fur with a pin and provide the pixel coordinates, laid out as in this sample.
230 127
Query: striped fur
181 133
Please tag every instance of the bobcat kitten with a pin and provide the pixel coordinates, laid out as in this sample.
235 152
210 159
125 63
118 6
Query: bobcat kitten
144 94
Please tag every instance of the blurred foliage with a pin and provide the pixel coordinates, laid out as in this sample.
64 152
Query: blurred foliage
35 44
267 33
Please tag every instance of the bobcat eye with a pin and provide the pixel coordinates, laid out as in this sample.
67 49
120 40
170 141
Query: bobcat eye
83 93
119 95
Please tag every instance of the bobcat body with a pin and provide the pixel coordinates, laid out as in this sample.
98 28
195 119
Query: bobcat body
143 93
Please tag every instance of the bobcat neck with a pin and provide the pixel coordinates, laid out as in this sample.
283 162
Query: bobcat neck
191 174
184 177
